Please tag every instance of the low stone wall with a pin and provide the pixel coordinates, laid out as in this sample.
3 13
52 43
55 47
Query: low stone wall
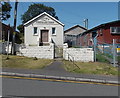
78 54
46 52
5 49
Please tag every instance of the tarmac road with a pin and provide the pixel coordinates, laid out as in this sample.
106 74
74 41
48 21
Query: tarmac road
29 87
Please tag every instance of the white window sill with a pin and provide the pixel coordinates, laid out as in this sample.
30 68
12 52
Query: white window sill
115 32
35 34
53 34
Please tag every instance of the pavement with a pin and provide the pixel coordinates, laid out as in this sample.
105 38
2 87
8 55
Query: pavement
56 71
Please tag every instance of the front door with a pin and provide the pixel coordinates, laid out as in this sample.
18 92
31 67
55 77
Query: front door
44 36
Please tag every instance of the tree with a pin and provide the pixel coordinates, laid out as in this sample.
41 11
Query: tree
21 28
21 34
36 9
5 10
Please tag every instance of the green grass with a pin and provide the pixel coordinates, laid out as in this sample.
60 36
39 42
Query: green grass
101 58
118 58
24 62
108 55
90 68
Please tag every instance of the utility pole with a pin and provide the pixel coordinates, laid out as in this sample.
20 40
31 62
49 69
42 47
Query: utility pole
8 43
14 28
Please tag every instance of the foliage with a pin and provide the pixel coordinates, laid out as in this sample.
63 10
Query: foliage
36 9
18 38
21 28
118 59
21 34
101 58
5 9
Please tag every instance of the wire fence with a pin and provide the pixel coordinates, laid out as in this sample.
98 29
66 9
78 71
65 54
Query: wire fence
108 52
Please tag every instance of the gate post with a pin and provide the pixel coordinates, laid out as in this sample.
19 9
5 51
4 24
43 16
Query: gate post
114 53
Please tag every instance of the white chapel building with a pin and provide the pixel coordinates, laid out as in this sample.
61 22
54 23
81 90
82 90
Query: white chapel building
42 30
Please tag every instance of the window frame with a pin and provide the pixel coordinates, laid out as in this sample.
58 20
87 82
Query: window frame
115 30
34 31
54 30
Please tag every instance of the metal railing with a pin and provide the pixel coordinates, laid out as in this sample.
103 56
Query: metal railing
72 60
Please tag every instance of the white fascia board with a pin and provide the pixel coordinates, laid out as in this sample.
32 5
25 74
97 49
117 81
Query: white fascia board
40 16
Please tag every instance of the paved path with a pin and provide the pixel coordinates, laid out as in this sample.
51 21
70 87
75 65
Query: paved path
56 69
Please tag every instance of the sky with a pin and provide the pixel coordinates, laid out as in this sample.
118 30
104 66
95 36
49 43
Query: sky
73 13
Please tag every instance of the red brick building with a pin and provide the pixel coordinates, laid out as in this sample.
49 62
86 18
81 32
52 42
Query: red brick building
105 33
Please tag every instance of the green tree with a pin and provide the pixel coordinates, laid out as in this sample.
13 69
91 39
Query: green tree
36 9
21 28
21 34
5 9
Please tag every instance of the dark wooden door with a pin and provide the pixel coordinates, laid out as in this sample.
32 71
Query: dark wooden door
44 35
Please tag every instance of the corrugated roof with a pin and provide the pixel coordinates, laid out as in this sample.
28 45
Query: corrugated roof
101 25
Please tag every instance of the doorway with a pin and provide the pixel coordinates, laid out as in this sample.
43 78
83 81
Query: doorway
44 36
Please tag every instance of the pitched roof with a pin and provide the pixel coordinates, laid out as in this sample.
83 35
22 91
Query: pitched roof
101 25
44 13
75 30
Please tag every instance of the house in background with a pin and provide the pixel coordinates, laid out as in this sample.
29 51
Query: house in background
73 34
4 32
104 33
43 29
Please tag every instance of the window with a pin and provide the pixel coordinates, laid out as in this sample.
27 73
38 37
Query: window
35 30
118 30
53 31
115 30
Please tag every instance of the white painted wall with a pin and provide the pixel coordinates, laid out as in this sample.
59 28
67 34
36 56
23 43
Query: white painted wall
48 23
78 54
1 47
46 52
4 47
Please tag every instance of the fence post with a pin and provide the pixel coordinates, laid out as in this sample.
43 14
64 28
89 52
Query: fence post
114 53
94 47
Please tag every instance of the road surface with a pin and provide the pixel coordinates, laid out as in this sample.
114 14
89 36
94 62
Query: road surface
29 87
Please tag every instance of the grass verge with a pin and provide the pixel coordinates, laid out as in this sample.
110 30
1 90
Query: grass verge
101 58
91 68
24 62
